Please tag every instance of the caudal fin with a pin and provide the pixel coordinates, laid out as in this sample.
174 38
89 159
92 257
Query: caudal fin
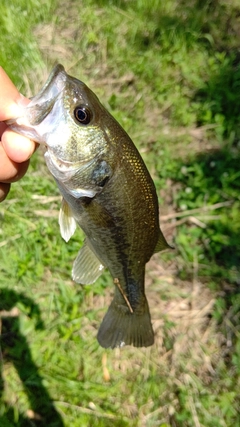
121 327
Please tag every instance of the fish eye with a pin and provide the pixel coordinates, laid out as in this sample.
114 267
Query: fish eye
82 114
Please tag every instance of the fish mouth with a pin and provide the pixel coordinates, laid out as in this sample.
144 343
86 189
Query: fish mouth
40 106
52 87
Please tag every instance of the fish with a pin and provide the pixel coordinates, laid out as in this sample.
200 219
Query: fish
107 190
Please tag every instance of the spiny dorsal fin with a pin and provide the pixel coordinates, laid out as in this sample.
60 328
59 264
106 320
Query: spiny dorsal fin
161 244
86 267
66 221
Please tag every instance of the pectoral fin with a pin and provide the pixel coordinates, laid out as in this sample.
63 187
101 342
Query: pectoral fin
86 267
162 244
66 221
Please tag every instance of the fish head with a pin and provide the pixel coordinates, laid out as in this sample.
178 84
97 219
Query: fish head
69 120
66 117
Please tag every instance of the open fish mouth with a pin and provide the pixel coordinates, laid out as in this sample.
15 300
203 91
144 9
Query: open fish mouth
42 103
52 87
40 106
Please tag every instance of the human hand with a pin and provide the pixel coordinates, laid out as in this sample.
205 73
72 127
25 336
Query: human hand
15 150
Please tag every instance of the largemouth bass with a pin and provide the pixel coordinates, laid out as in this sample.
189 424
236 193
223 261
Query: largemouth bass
107 191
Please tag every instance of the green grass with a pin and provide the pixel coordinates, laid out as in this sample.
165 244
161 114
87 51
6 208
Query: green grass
170 73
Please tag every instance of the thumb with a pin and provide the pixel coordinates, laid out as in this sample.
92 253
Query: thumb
9 98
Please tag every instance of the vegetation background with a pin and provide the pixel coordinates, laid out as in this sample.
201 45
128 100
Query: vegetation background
170 73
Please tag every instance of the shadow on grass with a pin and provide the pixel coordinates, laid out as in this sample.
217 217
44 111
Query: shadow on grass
209 25
14 349
219 99
214 178
208 179
222 178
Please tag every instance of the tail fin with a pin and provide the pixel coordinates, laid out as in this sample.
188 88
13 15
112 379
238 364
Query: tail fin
121 327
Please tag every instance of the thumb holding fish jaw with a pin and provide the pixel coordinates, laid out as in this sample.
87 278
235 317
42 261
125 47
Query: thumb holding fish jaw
15 150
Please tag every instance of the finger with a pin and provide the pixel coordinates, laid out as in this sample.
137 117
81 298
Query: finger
9 98
3 127
11 171
4 190
18 147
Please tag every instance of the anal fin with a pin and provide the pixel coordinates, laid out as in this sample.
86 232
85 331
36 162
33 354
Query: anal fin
86 267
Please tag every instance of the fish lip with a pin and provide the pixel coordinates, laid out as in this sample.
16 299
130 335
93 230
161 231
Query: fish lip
53 85
45 99
40 105
47 94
